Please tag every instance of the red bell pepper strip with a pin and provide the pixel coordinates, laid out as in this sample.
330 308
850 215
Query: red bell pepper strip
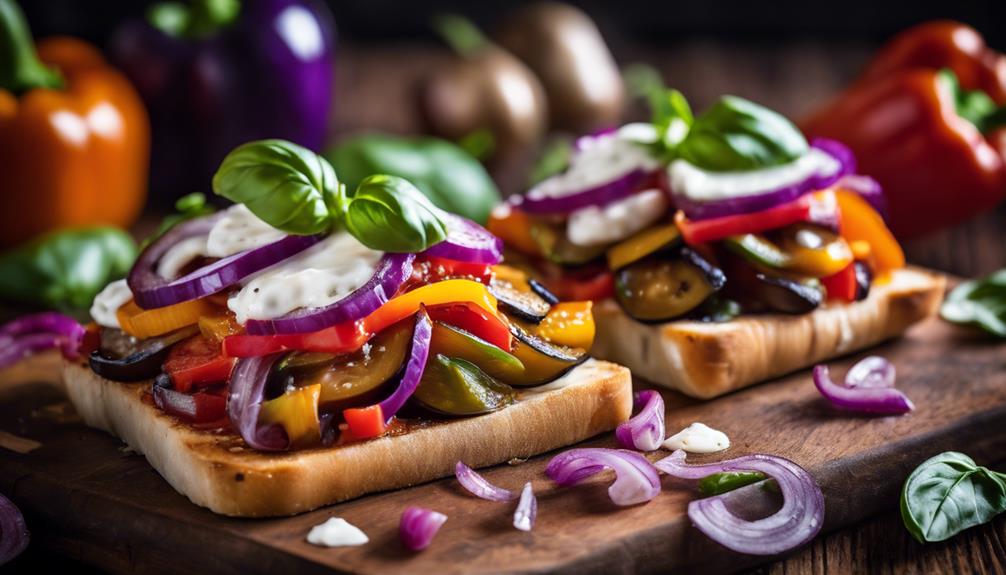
365 422
842 286
431 269
476 321
197 361
815 207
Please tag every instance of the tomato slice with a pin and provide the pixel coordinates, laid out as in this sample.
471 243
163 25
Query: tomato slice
806 208
197 361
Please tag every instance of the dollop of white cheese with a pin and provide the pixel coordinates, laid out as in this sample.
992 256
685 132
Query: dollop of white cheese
239 230
108 301
337 532
601 159
236 231
698 438
319 276
700 185
594 225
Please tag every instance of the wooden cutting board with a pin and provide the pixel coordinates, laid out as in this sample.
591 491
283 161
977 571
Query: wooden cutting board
87 497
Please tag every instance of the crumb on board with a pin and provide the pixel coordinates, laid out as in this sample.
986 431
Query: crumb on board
18 444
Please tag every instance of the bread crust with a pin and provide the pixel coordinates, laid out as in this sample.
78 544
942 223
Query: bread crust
705 360
216 469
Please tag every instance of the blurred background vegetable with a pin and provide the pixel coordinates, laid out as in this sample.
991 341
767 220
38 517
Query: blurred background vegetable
449 176
64 270
925 119
217 73
73 136
980 303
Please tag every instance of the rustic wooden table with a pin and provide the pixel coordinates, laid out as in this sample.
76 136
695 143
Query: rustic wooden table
375 89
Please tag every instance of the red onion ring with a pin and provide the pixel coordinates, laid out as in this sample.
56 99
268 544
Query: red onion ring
581 142
601 195
704 210
479 486
422 334
863 399
645 431
389 275
247 387
150 290
797 522
419 526
636 480
29 334
872 371
467 242
527 509
14 534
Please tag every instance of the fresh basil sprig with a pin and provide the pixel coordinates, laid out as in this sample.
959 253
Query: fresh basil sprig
980 302
390 214
720 483
295 190
949 493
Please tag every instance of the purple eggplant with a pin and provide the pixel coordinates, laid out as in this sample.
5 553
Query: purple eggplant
215 74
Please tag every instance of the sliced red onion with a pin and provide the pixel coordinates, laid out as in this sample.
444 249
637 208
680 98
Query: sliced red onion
535 202
697 210
150 290
419 526
868 188
247 387
527 509
389 275
872 371
636 480
879 400
479 486
581 142
797 522
467 242
645 431
30 334
14 534
421 336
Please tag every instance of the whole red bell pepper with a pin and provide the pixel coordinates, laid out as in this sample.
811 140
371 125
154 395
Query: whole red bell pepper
925 119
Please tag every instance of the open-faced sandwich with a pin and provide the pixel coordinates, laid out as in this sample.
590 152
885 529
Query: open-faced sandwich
308 345
722 250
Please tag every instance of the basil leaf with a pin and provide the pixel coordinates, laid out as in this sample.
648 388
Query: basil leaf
671 114
980 303
451 178
287 186
949 493
388 213
554 159
65 269
189 207
195 19
719 483
736 134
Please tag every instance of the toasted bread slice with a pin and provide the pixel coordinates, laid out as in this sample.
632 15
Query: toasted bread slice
216 469
706 360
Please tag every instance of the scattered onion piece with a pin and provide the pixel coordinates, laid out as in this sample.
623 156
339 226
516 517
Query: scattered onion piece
645 431
797 522
479 486
868 395
33 333
873 371
419 526
527 509
13 532
636 480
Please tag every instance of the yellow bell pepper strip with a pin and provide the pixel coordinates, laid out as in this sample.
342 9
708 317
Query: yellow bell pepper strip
827 260
74 136
860 222
144 323
347 337
297 412
218 326
570 324
641 245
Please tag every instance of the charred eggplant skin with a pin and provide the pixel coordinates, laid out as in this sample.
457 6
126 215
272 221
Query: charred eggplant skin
142 364
666 285
543 361
788 296
542 291
526 305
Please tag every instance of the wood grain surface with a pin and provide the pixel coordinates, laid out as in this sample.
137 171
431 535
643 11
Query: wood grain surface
90 500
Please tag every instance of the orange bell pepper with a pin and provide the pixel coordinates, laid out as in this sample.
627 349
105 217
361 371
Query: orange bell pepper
144 323
513 227
935 147
570 324
861 223
74 136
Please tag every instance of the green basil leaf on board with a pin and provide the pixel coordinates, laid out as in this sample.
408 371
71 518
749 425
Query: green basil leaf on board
388 213
980 303
65 269
452 179
949 493
719 483
287 186
736 134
